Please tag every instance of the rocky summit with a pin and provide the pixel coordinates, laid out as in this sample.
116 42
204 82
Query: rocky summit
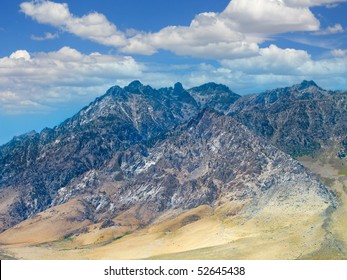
138 161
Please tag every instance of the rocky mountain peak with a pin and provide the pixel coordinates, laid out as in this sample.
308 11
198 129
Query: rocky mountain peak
212 88
307 90
213 95
307 84
178 88
304 90
134 87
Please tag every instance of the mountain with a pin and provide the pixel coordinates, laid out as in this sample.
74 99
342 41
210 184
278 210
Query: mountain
38 165
212 95
300 120
213 158
148 166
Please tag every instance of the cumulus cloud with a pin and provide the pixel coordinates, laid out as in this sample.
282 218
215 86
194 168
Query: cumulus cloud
37 80
207 36
337 28
290 62
269 17
93 26
20 55
236 32
271 60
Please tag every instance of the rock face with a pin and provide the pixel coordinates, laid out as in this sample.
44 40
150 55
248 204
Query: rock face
299 119
170 149
215 96
212 159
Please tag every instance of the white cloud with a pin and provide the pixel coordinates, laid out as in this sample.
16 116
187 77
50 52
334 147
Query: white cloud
36 82
337 28
232 37
272 60
20 55
47 36
234 33
93 26
289 62
275 66
269 17
339 53
39 80
207 36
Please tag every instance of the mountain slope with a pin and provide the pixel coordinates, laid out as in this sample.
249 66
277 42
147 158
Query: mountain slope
299 120
212 158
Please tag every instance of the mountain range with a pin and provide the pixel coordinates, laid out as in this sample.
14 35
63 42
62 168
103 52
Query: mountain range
141 166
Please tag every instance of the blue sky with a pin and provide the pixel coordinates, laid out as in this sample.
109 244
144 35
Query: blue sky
57 56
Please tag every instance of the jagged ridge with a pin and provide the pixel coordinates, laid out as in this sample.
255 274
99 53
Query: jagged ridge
50 167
